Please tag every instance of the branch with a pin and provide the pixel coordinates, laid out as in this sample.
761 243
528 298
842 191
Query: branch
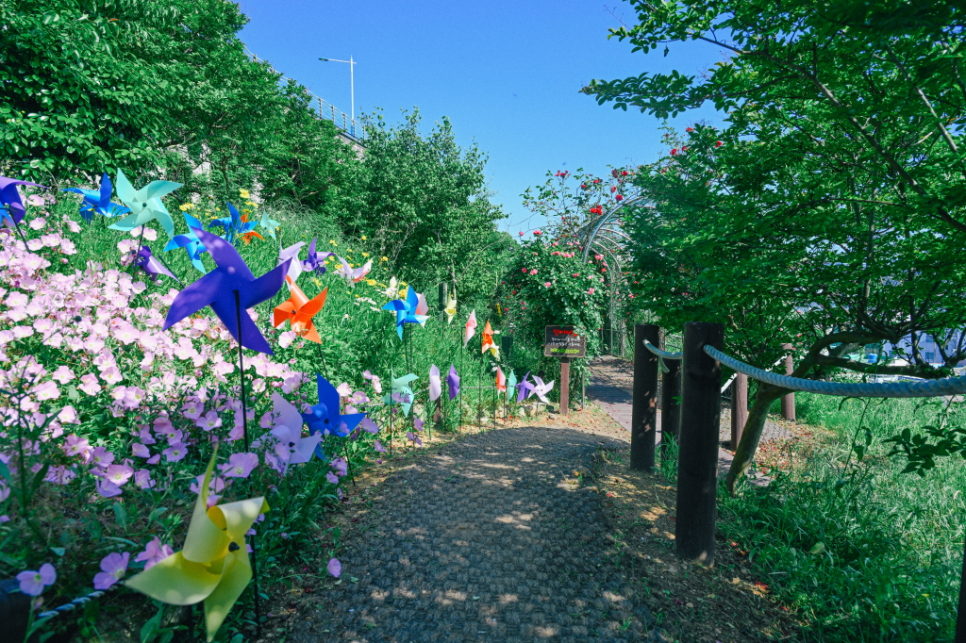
913 370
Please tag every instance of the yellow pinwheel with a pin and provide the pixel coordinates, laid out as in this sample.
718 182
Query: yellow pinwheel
450 309
213 566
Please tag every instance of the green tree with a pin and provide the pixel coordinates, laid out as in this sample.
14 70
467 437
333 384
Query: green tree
830 211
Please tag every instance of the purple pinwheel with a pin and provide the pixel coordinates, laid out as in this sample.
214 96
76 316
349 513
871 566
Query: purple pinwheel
453 383
10 204
525 388
230 289
146 262
291 254
316 260
541 389
290 447
99 201
406 311
355 275
325 417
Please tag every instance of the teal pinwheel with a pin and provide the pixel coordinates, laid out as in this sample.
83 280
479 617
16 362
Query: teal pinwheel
99 201
191 243
406 311
268 224
233 225
145 204
400 393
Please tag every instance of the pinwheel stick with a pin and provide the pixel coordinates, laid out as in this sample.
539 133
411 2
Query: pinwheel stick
241 381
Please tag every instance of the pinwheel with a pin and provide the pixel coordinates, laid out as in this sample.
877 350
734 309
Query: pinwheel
99 201
248 236
354 275
230 289
500 380
450 309
152 266
435 385
524 388
488 344
421 307
325 419
213 566
145 204
511 382
470 329
291 254
191 243
541 389
401 393
268 224
10 203
453 383
233 224
290 447
406 311
299 310
316 260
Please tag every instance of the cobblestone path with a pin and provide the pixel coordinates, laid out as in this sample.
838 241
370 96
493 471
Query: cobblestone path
493 538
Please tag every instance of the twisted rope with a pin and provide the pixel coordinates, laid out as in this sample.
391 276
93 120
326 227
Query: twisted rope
662 354
74 604
926 388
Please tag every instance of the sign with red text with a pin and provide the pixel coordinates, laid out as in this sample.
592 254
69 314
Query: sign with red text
563 341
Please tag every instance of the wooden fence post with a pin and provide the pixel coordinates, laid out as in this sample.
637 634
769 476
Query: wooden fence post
644 408
565 386
788 401
739 408
698 453
670 403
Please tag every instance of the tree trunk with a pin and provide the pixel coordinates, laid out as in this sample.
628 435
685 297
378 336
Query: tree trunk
745 453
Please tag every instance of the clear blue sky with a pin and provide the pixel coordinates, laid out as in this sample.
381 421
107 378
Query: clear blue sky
506 74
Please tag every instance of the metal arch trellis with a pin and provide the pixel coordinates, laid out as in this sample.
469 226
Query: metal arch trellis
601 233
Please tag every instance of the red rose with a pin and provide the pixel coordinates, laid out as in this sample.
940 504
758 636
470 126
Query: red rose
674 151
690 129
717 144
624 173
618 197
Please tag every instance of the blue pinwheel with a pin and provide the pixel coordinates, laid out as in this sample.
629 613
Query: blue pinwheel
316 260
268 224
99 201
11 206
325 417
191 243
233 225
406 311
230 289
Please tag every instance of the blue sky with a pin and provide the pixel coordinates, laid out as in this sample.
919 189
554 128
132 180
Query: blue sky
506 74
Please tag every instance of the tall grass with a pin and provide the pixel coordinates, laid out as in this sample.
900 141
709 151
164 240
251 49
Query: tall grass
863 551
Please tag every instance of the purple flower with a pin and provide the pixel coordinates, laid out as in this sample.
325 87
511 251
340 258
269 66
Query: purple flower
335 567
142 479
119 474
418 424
341 466
331 477
33 583
239 465
140 450
379 448
113 567
414 438
153 553
102 457
368 425
209 421
107 489
176 452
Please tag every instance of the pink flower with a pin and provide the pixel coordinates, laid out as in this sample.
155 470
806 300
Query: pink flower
591 291
153 553
524 270
533 272
285 339
546 284
344 390
537 233
33 583
119 474
209 421
521 233
63 374
46 391
239 465
334 567
113 567
90 384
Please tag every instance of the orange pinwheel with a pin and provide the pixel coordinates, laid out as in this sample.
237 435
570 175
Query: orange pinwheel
299 311
248 235
488 344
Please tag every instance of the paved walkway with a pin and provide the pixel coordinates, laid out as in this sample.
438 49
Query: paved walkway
611 388
494 538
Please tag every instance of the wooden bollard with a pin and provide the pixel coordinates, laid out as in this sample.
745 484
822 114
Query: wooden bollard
670 403
698 453
644 409
788 401
739 408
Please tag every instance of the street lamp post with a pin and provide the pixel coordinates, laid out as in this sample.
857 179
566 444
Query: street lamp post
352 83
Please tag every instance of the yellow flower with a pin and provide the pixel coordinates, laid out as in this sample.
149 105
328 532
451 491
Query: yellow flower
403 283
365 254
384 259
332 241
363 237
244 194
371 282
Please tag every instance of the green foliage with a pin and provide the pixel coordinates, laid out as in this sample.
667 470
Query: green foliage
860 549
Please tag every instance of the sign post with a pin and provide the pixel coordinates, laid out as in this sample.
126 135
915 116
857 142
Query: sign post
565 343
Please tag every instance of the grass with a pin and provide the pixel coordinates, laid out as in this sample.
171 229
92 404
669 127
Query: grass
862 551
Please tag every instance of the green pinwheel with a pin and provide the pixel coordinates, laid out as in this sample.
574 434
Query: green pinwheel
268 224
401 393
145 204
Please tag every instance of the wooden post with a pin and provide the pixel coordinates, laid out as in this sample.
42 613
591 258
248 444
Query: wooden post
788 401
583 389
670 402
739 408
698 453
644 408
565 386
